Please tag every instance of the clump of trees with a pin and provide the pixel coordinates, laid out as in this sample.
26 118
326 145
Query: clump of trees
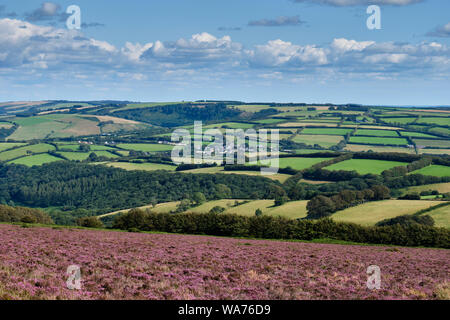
21 214
322 206
408 220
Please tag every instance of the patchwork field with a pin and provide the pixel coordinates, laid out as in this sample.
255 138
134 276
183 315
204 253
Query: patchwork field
441 187
145 147
321 140
26 150
6 146
36 160
362 148
377 133
438 121
434 151
416 134
300 163
433 143
370 213
435 170
326 131
365 166
379 140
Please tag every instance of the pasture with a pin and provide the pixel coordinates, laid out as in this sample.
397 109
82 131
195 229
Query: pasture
365 166
379 140
363 148
434 170
376 133
326 131
441 217
26 150
441 187
7 146
370 213
432 143
321 140
36 160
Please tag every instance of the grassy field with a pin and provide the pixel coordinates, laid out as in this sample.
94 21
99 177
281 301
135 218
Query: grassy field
36 160
75 156
327 131
230 125
322 140
54 125
300 163
141 166
23 151
269 121
362 148
6 146
439 121
416 134
434 151
399 120
278 177
145 147
434 170
441 217
370 213
441 187
365 166
379 140
306 124
376 133
432 143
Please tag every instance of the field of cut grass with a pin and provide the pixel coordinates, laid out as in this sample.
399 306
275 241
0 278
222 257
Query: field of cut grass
432 143
54 125
278 177
145 147
322 140
230 125
291 210
365 166
141 166
36 160
434 151
379 140
362 148
441 217
269 121
370 213
6 146
306 124
376 133
434 170
441 187
327 131
23 151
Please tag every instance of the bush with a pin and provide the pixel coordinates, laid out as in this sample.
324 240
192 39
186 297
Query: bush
90 222
267 227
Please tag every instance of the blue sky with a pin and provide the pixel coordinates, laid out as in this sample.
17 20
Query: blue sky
251 50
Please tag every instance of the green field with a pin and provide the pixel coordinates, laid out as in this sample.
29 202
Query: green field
434 170
362 148
230 125
327 131
23 151
54 125
441 187
141 166
379 140
416 134
145 147
365 166
6 146
75 156
269 121
370 213
36 160
399 120
438 121
441 217
299 163
325 141
376 133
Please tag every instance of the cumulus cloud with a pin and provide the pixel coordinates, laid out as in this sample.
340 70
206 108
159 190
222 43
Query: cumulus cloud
278 22
346 3
47 11
440 31
27 47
